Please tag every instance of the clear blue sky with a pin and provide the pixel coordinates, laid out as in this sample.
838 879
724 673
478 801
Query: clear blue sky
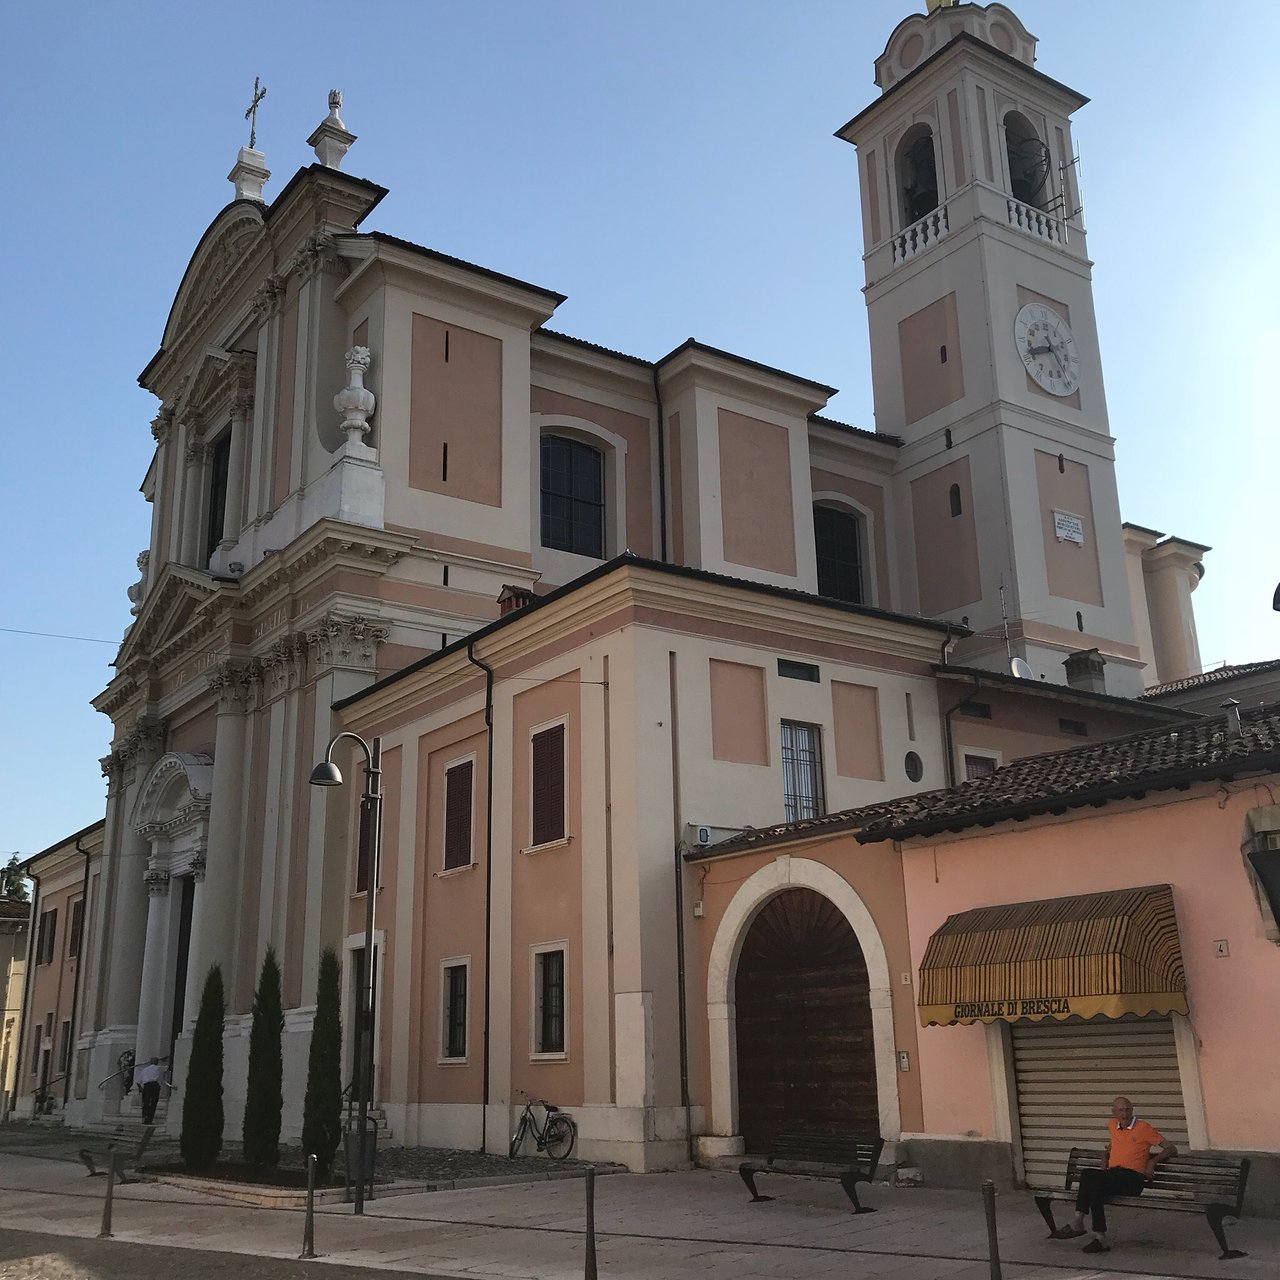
668 166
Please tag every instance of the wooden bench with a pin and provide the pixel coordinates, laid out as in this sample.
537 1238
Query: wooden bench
1197 1183
90 1158
850 1159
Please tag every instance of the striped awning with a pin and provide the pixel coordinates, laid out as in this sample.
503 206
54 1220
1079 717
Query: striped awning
1096 955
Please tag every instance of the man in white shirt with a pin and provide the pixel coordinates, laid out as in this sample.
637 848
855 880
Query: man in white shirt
148 1080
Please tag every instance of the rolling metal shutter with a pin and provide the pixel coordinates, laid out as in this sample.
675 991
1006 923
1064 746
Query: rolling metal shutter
1068 1074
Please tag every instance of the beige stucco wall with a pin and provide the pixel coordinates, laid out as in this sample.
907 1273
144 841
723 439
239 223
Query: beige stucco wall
757 513
948 574
1190 841
928 382
1071 567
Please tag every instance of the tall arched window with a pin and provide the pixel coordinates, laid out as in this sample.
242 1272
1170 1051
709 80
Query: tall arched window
839 542
1028 161
572 490
917 174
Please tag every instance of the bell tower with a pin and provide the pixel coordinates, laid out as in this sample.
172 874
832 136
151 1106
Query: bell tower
984 347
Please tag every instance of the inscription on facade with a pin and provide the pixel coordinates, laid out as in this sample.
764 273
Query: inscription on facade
1029 1007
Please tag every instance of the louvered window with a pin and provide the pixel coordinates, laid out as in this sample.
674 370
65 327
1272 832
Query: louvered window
548 785
458 789
77 928
47 936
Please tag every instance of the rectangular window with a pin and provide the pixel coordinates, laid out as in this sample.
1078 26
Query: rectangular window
458 788
549 1014
791 670
454 994
801 771
572 494
364 838
77 928
64 1057
1077 728
547 800
47 936
979 766
975 710
219 470
36 1049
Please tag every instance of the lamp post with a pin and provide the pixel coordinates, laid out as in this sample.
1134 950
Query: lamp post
327 774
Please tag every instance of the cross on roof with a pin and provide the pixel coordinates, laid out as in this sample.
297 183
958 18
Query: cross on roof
252 114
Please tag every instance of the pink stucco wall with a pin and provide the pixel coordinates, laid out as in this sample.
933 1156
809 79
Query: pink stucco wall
1189 840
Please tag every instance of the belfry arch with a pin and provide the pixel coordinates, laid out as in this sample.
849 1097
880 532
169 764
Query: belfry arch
753 896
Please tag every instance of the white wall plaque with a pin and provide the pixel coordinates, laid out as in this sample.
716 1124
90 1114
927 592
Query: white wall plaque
1068 528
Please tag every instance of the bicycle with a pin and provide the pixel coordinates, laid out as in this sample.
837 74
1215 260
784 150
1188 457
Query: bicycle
556 1135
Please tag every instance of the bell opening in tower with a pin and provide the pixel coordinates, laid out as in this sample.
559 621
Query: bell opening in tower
917 174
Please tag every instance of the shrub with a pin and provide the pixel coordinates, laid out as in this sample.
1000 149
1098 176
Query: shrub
264 1098
201 1139
322 1109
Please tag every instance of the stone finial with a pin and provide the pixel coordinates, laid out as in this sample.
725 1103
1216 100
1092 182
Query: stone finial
331 138
249 174
139 588
356 402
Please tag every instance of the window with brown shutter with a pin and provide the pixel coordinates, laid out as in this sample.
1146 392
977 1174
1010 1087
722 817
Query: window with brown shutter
77 928
47 935
458 788
548 785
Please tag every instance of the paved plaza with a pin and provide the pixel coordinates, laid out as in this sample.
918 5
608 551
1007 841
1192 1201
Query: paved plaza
676 1225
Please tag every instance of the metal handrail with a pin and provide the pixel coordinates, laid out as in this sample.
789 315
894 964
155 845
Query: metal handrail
41 1088
103 1083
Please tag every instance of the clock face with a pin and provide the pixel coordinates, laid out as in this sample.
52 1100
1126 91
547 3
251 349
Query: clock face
1047 349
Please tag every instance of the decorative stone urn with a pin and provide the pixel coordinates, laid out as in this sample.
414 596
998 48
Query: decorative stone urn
355 401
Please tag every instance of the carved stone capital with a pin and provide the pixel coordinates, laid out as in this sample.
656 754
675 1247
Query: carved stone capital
196 454
162 425
199 860
348 642
284 665
318 252
157 882
144 739
242 405
266 301
236 685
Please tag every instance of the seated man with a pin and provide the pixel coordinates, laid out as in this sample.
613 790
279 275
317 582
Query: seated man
1125 1170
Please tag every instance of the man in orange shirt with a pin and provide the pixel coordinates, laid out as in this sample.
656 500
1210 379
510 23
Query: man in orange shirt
1126 1168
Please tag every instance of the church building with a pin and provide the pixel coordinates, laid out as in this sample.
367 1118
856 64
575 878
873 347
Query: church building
600 611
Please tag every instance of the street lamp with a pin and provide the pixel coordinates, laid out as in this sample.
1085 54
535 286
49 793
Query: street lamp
327 774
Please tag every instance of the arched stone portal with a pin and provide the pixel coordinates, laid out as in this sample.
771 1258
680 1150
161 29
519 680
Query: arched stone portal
806 1057
753 895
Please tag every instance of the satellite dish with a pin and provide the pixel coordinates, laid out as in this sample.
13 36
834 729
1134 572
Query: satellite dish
1021 668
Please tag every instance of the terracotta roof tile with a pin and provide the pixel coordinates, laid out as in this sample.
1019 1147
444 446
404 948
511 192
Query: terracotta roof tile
1215 676
1155 759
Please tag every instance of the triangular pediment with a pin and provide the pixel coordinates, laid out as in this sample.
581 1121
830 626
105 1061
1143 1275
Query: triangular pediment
177 604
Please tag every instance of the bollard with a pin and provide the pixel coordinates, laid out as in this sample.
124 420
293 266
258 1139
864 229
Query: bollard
590 1272
105 1232
993 1244
309 1223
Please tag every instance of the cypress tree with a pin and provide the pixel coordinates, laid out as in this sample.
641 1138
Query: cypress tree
322 1109
264 1097
201 1139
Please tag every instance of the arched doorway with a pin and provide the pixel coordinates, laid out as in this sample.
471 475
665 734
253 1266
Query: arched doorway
806 1055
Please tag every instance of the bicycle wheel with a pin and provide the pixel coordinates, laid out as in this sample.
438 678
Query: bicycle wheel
518 1137
561 1134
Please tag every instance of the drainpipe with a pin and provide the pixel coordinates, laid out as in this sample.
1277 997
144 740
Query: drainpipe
488 885
28 980
662 471
681 975
75 982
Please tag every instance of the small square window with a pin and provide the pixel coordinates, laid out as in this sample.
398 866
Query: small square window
1077 728
976 766
798 670
975 710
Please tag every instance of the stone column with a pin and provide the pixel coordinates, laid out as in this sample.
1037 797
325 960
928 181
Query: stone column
193 504
241 417
195 947
214 917
126 931
151 1039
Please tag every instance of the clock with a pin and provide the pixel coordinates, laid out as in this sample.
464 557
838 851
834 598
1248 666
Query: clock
1047 349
